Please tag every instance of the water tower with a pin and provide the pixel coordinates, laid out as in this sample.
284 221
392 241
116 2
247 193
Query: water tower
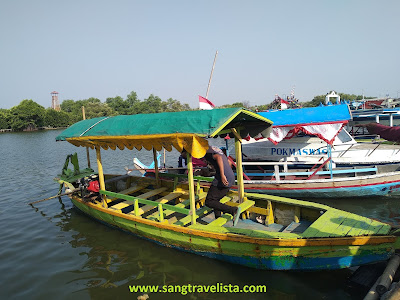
54 101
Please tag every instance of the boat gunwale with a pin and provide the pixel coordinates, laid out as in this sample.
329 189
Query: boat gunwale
330 180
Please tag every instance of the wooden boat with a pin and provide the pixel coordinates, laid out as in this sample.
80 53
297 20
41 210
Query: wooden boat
275 233
313 134
325 162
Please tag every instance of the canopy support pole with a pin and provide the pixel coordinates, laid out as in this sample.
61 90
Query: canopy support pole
239 166
330 159
87 148
156 166
101 174
191 188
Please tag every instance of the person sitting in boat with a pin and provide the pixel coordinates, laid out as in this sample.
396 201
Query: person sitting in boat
223 180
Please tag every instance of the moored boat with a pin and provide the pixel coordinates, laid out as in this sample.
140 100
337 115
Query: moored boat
305 134
275 233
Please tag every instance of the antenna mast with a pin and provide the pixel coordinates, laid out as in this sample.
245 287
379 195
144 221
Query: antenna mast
212 70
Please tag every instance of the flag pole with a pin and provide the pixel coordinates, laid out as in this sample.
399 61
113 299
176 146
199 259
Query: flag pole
212 70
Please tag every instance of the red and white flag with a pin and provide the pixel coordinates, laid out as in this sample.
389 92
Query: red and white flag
205 103
284 104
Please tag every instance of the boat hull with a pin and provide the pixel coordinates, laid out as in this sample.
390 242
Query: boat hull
260 253
365 186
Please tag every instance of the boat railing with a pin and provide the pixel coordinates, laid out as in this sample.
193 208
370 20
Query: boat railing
277 174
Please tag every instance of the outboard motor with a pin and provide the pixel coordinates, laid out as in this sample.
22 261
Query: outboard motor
89 187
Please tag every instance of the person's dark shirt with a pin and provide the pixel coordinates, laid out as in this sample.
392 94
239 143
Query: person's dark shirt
230 176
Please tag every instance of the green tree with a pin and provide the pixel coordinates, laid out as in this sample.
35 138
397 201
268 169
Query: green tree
118 104
53 118
174 105
132 99
27 113
236 104
153 104
5 115
97 109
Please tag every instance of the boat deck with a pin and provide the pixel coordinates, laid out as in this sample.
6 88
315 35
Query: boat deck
309 221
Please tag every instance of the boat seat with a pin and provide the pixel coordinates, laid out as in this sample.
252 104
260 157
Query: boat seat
165 199
221 220
199 213
183 204
129 191
127 203
227 217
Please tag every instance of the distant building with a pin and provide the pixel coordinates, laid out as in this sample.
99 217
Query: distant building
55 104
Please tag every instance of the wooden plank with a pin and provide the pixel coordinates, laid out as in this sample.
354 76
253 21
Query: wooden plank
221 220
385 229
246 232
167 212
174 208
333 224
199 213
129 191
318 226
246 205
375 227
187 202
165 199
120 205
152 193
347 225
360 227
127 203
305 173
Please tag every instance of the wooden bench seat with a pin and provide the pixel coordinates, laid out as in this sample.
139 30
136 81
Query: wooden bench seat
127 203
227 217
165 199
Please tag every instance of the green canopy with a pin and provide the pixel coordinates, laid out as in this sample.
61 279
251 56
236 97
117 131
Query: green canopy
184 129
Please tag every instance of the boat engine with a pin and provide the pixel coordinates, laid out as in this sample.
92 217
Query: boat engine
89 187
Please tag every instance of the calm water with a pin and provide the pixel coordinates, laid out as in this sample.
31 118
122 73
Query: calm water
51 251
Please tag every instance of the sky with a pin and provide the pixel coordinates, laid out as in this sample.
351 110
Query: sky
101 49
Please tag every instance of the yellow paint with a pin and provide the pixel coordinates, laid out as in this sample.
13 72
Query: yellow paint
195 144
345 241
156 166
239 168
297 210
101 174
247 112
270 216
191 188
160 213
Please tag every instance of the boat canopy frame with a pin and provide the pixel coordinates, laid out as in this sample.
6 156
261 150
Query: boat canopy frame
181 130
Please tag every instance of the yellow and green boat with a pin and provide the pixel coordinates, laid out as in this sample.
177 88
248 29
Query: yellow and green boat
274 233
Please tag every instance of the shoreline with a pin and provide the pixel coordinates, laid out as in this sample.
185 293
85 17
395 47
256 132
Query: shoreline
31 130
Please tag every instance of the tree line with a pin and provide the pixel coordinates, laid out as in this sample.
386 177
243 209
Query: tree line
29 114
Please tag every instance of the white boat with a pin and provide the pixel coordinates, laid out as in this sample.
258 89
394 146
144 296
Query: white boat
303 135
